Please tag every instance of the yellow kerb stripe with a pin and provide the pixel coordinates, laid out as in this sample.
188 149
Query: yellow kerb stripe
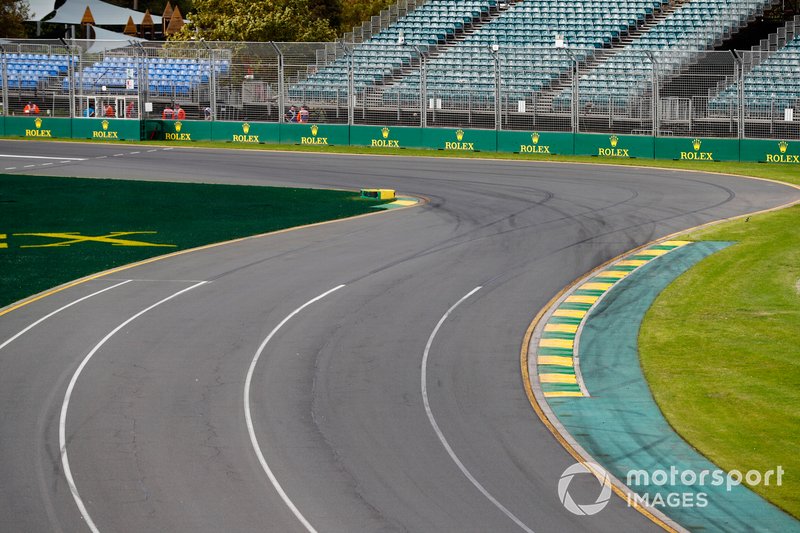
562 328
554 360
632 262
575 299
616 274
654 253
563 394
596 286
675 243
2 244
556 343
569 313
558 378
404 202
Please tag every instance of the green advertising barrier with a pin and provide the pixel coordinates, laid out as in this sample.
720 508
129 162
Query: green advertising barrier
246 132
185 130
315 134
535 142
106 129
38 127
697 149
770 151
614 146
459 140
386 137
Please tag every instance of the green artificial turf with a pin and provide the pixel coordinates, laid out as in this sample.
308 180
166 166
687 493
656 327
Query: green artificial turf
183 215
720 348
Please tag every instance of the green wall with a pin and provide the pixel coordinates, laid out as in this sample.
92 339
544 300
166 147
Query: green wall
697 149
245 132
106 129
38 127
315 134
614 146
775 151
386 137
535 142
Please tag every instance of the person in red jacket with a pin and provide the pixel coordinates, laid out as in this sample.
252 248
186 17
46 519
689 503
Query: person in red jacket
180 114
109 111
31 109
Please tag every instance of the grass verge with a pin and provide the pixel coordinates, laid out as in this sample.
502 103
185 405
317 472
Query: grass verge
719 348
180 215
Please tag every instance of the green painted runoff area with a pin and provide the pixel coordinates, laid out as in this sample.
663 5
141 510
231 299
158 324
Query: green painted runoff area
54 230
621 426
455 140
720 350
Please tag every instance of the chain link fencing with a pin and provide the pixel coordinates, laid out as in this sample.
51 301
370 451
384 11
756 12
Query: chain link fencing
625 90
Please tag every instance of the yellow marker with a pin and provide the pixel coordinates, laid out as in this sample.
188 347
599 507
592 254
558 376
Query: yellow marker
2 244
575 299
555 343
562 328
569 313
596 286
73 237
614 274
675 243
654 253
404 202
563 394
632 262
558 378
555 360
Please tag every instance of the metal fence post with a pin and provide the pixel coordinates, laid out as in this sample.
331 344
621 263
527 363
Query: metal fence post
654 108
212 78
739 73
497 107
5 80
423 90
281 88
575 89
351 87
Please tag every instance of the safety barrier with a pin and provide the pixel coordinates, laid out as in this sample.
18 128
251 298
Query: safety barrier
381 137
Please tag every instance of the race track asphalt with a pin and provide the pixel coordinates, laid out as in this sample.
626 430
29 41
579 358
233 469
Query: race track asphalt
156 433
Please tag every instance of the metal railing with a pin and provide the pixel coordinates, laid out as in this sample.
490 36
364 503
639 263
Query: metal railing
613 90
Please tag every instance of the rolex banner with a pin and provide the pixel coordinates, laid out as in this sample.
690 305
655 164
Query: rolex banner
697 149
778 152
246 132
106 129
311 134
386 136
38 127
534 142
460 140
614 146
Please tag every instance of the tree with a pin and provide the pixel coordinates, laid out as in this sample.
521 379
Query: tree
354 12
12 18
266 20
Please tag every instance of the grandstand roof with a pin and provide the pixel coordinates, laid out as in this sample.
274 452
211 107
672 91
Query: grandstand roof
38 9
104 14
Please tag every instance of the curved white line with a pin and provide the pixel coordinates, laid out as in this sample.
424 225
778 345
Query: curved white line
62 423
249 419
442 439
45 317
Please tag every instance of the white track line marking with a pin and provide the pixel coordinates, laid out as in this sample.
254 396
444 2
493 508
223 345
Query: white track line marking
29 166
132 153
45 317
249 419
62 423
11 168
14 156
46 164
118 155
442 439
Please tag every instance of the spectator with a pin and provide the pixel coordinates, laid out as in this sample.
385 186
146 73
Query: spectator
110 112
31 109
302 116
180 114
207 113
129 109
167 114
89 111
291 116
